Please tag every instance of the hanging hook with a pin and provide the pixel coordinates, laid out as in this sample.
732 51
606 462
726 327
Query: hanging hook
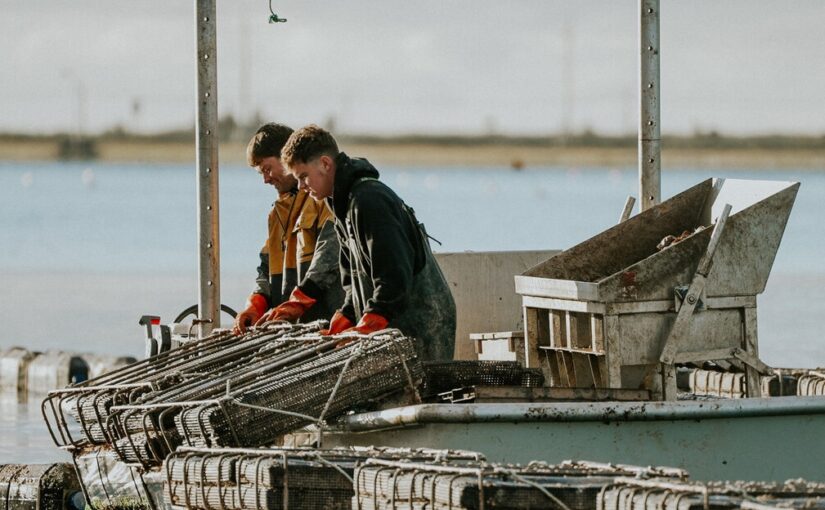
273 18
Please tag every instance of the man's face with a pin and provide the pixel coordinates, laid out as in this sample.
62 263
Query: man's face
316 176
275 174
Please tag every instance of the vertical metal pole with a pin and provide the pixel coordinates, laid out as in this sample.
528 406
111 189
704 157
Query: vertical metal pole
207 166
650 187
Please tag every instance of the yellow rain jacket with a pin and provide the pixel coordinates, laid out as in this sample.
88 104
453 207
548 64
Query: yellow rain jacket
295 223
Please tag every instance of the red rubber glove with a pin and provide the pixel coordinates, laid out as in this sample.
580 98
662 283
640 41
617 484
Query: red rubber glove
256 305
369 323
337 324
290 310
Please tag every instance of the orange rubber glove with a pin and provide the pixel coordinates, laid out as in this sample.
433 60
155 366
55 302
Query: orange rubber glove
256 305
337 324
290 310
369 323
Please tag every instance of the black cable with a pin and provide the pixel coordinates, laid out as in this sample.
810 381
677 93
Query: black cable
273 18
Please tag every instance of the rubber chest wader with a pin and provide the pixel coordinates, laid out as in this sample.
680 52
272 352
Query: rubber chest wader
430 314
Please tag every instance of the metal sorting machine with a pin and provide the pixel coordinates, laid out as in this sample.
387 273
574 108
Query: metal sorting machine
675 284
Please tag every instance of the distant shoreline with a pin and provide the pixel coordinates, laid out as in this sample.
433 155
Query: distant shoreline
482 153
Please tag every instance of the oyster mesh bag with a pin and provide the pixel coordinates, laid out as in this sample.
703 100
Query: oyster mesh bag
297 478
329 384
441 376
657 493
574 485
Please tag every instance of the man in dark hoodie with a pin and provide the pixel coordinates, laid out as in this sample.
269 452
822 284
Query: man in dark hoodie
389 274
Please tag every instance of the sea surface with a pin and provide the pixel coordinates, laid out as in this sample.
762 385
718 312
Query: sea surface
87 248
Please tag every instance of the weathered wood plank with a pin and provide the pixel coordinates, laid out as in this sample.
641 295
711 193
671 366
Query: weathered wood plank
612 351
597 332
531 328
563 304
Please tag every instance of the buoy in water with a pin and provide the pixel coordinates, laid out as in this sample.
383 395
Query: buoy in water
87 177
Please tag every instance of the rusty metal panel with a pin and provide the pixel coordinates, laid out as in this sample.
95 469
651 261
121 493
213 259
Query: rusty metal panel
644 334
654 277
752 236
626 265
628 242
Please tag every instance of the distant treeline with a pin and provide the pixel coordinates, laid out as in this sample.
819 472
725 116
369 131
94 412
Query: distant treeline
231 132
588 139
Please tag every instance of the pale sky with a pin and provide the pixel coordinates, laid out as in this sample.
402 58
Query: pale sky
391 66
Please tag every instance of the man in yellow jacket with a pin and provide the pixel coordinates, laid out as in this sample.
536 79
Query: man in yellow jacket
298 267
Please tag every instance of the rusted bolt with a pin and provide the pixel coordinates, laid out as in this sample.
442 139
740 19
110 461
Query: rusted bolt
650 123
652 160
691 299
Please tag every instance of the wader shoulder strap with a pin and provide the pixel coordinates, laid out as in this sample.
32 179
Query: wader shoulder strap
423 244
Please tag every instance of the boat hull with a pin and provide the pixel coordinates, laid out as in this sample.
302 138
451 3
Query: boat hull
749 439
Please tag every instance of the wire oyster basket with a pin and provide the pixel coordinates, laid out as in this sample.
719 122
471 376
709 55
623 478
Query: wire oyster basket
79 416
672 495
231 391
383 484
275 478
373 368
441 376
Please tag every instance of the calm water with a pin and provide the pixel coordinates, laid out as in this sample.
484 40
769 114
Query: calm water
85 249
74 217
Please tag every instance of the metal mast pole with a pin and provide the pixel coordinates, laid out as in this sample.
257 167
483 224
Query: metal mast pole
207 166
650 187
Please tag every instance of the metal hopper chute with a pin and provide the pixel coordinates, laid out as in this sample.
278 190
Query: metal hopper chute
602 313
